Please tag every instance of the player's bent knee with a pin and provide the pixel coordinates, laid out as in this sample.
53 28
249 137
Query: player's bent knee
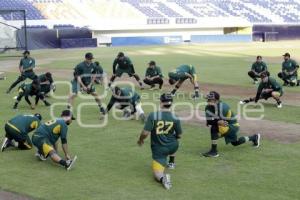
158 170
276 94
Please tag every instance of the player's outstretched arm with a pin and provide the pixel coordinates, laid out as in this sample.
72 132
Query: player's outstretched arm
143 136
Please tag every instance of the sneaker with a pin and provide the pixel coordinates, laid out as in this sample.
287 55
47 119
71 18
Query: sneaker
47 103
279 105
242 102
5 144
256 141
166 181
171 165
172 94
142 117
40 156
126 114
212 154
70 163
15 107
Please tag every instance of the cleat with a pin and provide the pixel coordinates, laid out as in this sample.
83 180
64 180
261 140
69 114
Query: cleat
15 107
166 181
242 102
40 156
173 95
47 103
70 163
211 154
279 105
5 144
171 166
256 142
126 114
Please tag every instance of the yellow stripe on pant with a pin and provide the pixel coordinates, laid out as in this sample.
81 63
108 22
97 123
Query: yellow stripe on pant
47 149
157 167
13 126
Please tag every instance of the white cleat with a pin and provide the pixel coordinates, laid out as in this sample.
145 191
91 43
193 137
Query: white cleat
167 181
70 163
279 105
40 156
4 144
171 165
242 102
256 143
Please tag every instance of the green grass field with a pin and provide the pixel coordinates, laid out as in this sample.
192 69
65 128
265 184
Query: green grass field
111 165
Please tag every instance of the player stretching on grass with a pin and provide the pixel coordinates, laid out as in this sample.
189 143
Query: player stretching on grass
26 69
165 129
46 136
182 73
223 123
18 128
84 77
122 64
267 88
289 73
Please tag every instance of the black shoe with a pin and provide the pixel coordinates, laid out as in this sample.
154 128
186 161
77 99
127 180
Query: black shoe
256 141
6 143
212 154
15 107
298 82
47 103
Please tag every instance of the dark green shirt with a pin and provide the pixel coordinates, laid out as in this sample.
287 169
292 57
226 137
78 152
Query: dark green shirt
85 71
259 67
289 65
122 64
53 130
43 78
27 63
180 71
28 90
271 84
153 72
25 123
99 69
220 112
164 126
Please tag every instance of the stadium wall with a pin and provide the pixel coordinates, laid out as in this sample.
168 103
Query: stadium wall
276 32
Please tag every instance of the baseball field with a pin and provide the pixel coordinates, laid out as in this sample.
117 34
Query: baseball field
111 165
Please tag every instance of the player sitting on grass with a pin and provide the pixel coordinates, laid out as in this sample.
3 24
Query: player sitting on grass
153 76
126 97
267 88
223 123
289 73
84 77
46 83
26 69
31 89
46 136
257 69
180 74
165 130
122 64
18 128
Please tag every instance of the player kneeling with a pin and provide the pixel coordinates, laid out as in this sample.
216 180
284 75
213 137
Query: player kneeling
46 136
267 88
165 130
18 128
223 123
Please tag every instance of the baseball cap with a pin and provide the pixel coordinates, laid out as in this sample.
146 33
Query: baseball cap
120 54
26 52
152 62
67 113
89 56
286 54
213 95
166 98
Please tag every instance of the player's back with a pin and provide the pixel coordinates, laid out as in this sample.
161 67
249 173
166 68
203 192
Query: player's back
25 123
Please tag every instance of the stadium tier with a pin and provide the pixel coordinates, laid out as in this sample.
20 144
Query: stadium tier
255 11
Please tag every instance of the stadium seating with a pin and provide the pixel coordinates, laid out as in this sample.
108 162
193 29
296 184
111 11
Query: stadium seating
255 11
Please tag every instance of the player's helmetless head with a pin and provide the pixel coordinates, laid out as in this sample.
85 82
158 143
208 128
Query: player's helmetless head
121 56
286 56
172 81
258 58
152 64
213 98
26 53
67 116
89 57
264 77
166 100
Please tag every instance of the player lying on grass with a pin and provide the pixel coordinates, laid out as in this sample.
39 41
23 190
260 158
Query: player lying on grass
182 73
31 89
267 88
257 69
26 66
289 72
84 77
165 130
223 123
18 128
46 83
127 100
122 64
153 76
46 136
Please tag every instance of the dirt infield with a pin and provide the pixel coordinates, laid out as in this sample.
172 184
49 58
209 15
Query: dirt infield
278 131
5 195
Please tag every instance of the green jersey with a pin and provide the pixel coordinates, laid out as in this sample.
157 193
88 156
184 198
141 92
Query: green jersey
43 78
220 112
24 123
155 71
28 90
271 84
289 65
53 130
27 63
85 71
99 69
259 67
164 127
180 72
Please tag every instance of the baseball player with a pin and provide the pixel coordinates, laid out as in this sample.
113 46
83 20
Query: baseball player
267 88
26 66
153 76
165 130
126 97
257 69
46 136
289 71
18 128
182 73
46 83
84 77
99 73
223 123
122 64
31 89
